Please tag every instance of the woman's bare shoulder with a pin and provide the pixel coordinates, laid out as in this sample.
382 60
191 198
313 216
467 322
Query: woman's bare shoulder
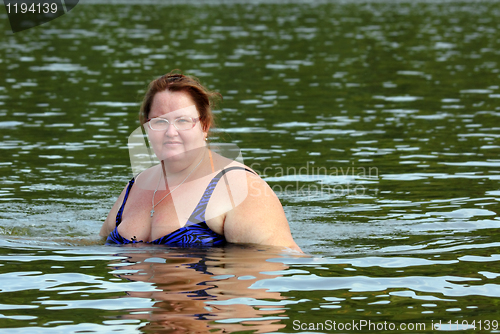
258 216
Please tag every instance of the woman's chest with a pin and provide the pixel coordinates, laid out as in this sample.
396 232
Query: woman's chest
148 216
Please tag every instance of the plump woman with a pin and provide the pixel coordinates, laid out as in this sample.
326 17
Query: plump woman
194 197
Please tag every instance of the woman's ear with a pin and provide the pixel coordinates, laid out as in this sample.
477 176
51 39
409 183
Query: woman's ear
205 127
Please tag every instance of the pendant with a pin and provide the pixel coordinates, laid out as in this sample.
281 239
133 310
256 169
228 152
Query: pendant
152 212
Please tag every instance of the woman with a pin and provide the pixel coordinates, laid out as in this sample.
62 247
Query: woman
181 202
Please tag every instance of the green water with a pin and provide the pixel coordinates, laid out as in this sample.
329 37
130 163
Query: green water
376 122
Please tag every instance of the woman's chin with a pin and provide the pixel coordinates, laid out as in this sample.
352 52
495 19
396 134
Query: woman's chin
178 153
173 156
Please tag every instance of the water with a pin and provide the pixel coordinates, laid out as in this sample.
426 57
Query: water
376 122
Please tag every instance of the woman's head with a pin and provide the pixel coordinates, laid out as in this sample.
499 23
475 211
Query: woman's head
203 98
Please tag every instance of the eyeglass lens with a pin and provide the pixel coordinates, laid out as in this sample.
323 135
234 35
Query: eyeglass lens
183 123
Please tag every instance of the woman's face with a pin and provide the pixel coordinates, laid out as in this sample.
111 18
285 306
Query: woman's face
172 144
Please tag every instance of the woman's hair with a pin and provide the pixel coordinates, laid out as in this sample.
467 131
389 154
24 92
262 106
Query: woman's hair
203 98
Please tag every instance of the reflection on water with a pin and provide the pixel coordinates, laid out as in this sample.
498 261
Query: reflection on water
241 288
376 123
151 288
205 290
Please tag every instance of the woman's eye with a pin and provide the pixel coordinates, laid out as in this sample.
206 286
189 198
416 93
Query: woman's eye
158 121
182 120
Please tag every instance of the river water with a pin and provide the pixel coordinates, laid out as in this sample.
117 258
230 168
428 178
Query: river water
375 122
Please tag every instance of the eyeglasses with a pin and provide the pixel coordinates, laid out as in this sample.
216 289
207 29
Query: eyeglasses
182 123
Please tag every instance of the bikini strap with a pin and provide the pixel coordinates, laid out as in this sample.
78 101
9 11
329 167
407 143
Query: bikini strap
120 212
211 160
131 183
198 214
199 211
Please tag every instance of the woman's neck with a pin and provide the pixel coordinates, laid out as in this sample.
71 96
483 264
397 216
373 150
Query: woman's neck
178 171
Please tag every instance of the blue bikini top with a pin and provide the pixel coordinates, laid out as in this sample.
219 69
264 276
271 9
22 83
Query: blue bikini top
195 233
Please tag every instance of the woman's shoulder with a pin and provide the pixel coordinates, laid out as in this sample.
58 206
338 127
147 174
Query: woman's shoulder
223 163
148 172
244 181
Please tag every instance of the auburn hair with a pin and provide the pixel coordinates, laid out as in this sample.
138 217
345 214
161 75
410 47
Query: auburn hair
203 98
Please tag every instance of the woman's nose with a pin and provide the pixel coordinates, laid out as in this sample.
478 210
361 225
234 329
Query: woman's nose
171 130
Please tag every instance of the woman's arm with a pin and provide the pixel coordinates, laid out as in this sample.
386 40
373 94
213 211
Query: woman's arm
259 219
110 222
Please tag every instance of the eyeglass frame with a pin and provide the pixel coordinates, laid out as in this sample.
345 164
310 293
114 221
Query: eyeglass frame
194 119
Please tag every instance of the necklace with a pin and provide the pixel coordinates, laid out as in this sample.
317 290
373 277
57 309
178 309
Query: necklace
153 200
